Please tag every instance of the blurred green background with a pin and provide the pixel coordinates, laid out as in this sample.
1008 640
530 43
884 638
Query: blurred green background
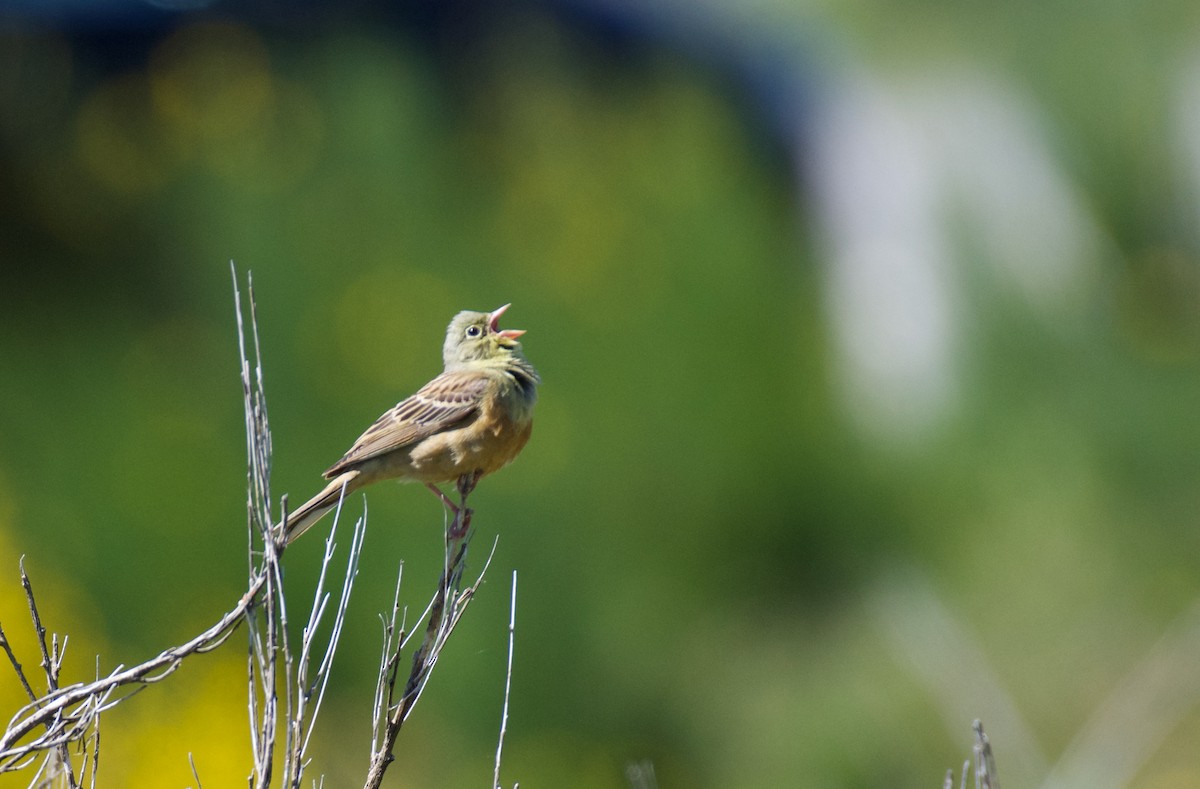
870 336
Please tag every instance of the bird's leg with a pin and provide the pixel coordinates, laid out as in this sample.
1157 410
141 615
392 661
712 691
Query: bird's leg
445 499
467 482
462 518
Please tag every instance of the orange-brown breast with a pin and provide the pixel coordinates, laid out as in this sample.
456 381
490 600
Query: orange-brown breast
487 443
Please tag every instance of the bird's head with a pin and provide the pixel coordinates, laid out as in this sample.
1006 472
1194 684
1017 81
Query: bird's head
477 337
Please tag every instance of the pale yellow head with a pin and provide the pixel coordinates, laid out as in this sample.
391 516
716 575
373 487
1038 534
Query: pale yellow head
474 337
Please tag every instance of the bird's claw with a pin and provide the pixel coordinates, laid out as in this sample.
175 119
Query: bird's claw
461 524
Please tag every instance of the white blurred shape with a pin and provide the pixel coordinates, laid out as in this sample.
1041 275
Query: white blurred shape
1151 702
948 658
894 173
887 286
1014 195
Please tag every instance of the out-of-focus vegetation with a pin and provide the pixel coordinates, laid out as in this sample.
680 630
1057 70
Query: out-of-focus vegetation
725 567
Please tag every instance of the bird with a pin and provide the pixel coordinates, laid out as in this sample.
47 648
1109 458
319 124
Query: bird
469 421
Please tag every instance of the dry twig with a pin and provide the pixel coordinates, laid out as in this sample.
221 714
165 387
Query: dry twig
445 610
304 684
512 629
64 716
67 714
981 759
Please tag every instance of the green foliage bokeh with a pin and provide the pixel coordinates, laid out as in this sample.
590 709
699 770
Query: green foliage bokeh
695 523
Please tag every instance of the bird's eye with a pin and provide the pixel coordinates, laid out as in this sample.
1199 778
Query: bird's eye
474 331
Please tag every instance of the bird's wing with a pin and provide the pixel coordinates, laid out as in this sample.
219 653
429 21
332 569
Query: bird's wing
445 402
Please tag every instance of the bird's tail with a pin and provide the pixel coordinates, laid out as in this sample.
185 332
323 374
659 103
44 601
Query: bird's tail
307 514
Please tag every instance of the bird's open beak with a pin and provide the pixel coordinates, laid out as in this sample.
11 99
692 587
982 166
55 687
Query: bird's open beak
494 320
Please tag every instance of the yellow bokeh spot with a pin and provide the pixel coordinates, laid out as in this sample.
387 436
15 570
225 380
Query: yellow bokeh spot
212 81
280 150
119 141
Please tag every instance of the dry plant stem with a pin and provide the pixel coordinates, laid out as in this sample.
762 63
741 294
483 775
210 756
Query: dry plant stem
263 699
393 640
51 664
68 711
70 714
444 612
512 628
269 641
270 646
264 716
96 743
981 759
195 773
12 658
985 764
306 688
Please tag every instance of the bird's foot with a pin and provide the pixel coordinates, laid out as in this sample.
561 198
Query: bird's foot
461 525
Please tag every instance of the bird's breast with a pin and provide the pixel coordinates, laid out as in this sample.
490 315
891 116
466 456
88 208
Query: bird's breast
488 443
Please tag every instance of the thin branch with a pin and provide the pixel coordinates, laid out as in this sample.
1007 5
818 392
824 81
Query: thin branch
393 641
58 710
269 638
321 679
39 630
195 773
263 636
981 759
985 764
444 612
306 689
512 629
51 664
95 749
12 658
70 715
949 659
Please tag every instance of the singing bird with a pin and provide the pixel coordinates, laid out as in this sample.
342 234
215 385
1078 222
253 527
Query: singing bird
469 421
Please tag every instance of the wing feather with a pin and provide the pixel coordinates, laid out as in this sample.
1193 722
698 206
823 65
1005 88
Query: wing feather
445 402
